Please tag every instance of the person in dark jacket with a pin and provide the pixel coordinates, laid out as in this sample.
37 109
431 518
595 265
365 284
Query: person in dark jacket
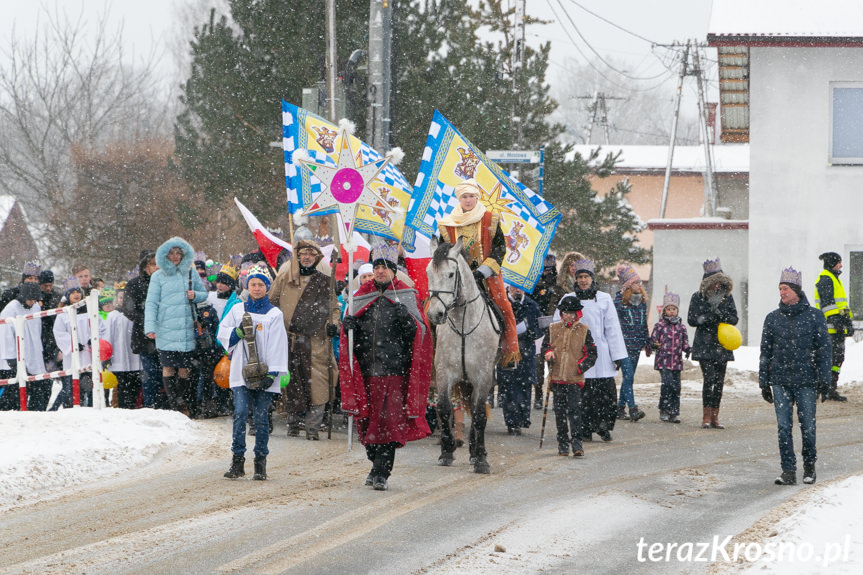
794 367
50 299
134 303
631 305
711 305
546 293
516 384
831 299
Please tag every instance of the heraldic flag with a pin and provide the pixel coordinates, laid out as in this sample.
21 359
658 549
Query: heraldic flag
527 220
303 130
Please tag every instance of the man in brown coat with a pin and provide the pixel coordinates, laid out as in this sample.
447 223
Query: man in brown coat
311 319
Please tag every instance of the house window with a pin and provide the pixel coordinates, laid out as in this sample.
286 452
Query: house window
846 118
855 274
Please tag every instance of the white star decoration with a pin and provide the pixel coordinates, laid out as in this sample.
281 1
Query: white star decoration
346 186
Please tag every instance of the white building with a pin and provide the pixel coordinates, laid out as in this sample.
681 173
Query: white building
791 84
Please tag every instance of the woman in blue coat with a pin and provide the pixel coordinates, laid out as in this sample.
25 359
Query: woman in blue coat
168 318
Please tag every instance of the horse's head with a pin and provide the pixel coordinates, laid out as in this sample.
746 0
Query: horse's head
445 276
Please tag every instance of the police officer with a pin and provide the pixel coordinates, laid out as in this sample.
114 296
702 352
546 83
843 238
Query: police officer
831 299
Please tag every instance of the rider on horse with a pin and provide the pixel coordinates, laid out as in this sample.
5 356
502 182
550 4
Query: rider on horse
485 244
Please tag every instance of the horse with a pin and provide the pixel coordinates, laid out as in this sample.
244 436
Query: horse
465 348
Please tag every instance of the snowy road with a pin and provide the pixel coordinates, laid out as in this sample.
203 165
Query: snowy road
536 511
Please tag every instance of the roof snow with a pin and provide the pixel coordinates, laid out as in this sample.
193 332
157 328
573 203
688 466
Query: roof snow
786 18
727 158
6 204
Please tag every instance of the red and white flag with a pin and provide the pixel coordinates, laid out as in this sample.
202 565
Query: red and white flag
416 263
270 245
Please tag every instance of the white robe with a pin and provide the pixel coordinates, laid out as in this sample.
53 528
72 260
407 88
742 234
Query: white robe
601 318
32 337
218 303
118 332
271 337
63 337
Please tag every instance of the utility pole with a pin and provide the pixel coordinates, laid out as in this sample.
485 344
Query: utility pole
517 65
331 61
598 109
380 67
690 65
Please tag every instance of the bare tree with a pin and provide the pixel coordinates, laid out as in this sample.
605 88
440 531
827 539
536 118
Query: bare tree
64 87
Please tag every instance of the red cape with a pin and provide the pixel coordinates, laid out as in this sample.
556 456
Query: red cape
354 397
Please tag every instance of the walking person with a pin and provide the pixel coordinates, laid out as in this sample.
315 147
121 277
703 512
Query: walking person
831 299
168 318
631 305
670 340
794 368
711 305
258 323
387 383
569 350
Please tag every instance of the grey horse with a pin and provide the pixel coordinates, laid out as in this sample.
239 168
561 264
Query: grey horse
466 347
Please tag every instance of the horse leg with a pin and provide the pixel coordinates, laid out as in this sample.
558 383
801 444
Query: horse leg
447 441
477 437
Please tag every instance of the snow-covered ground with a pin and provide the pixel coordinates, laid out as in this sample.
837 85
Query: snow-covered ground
45 454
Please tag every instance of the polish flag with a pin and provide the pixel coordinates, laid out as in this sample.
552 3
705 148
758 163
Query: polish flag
416 263
361 254
270 245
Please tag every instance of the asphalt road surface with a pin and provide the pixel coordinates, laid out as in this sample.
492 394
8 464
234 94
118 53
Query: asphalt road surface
656 482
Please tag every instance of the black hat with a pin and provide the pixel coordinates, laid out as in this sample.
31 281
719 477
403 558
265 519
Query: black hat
46 277
830 259
569 303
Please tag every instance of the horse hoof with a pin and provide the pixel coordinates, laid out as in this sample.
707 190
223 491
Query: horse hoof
472 460
482 467
445 460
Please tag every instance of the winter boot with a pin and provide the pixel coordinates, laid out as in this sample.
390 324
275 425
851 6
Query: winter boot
236 469
673 419
714 419
808 473
621 412
707 412
663 416
379 483
833 394
260 468
370 478
537 402
787 478
293 424
174 400
635 414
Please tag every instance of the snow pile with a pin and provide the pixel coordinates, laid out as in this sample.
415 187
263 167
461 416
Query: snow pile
826 534
45 452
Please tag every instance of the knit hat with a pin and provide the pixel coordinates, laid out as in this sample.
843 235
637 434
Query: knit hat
712 267
261 272
627 276
29 291
550 262
365 269
470 186
228 275
31 269
71 284
584 265
387 255
792 277
46 277
670 298
569 303
830 259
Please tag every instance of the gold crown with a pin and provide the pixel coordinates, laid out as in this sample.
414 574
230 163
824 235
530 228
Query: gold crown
230 271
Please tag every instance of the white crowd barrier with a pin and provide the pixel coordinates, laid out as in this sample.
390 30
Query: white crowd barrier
95 366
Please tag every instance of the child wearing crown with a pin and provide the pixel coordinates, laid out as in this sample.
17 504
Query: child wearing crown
669 339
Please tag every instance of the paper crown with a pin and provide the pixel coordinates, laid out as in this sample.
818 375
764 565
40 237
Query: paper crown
385 252
132 274
712 266
791 276
201 257
120 286
261 272
627 276
584 265
671 298
71 283
32 269
107 295
230 271
550 261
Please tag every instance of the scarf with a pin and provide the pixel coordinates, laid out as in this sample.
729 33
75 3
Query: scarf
458 217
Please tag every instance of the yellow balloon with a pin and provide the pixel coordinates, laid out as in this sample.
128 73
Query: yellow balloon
729 336
109 380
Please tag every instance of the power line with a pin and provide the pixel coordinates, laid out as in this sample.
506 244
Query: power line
619 27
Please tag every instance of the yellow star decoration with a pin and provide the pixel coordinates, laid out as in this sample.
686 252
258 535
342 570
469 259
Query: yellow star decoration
495 202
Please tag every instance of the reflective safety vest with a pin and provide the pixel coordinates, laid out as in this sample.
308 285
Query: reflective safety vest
840 300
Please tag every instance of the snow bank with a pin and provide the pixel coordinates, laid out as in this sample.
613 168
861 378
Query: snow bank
45 452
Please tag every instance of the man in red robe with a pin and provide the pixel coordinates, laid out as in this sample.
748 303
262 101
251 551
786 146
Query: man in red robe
386 381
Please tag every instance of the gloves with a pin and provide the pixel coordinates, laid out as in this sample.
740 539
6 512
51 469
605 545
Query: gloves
267 381
478 276
656 345
239 332
332 330
849 330
707 318
617 364
350 322
767 394
824 390
82 347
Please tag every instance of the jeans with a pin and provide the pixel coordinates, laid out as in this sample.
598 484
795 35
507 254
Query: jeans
260 402
627 368
669 392
151 381
784 399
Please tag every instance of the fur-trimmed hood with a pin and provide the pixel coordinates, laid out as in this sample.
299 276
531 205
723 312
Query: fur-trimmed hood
726 285
185 264
564 280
